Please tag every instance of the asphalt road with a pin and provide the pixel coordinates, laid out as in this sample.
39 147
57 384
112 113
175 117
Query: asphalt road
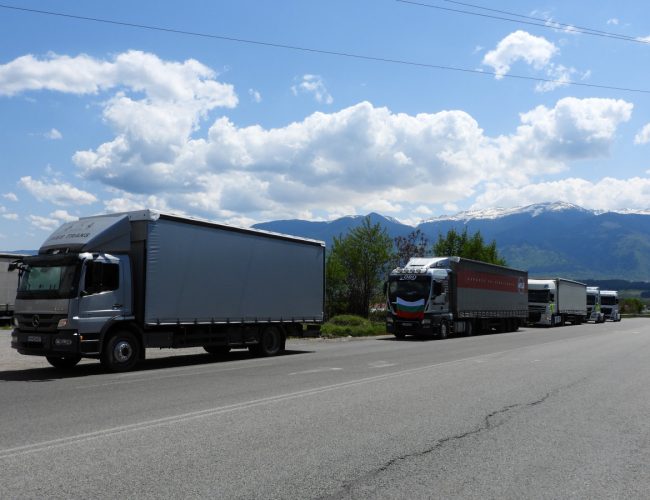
540 413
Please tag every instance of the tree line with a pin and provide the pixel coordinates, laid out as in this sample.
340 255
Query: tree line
358 262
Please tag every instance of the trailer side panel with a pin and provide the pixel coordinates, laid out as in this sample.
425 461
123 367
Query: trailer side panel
205 274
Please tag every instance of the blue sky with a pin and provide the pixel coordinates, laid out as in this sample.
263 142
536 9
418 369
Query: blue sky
99 117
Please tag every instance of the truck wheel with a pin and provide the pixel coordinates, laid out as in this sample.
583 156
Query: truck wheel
270 342
399 335
469 328
63 362
121 352
217 350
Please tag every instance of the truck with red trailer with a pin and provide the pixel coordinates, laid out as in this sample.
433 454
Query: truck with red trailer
441 296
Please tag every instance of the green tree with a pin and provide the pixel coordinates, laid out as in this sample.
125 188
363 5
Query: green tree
355 266
631 306
470 247
415 244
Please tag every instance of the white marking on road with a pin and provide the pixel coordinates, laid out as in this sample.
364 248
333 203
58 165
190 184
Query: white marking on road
380 364
173 373
8 453
316 370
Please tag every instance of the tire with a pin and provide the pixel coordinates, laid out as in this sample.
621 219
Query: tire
121 352
64 362
270 344
444 330
399 335
217 350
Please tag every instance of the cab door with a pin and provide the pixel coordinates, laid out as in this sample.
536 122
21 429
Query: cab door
103 293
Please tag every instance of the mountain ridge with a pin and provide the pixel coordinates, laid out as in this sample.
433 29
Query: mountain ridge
548 239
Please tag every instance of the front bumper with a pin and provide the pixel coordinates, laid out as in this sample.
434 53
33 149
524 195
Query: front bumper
421 328
46 343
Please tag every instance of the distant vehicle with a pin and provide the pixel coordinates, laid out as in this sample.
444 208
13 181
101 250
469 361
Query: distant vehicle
8 285
554 302
594 311
110 286
440 296
609 305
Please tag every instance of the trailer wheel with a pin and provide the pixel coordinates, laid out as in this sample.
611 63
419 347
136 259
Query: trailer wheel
121 352
63 362
270 342
217 350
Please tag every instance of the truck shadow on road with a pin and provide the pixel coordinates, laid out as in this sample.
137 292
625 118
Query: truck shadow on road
50 374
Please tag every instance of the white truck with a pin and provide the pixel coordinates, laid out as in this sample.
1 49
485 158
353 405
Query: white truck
110 286
556 301
8 285
609 304
594 310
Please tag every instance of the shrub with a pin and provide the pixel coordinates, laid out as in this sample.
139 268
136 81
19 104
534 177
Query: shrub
349 325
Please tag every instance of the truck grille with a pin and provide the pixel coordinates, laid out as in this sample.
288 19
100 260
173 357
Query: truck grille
38 322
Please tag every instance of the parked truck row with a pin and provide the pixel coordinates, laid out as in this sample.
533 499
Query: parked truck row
111 286
439 296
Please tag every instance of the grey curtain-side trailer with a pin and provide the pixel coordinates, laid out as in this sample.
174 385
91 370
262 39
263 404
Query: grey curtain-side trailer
109 286
446 295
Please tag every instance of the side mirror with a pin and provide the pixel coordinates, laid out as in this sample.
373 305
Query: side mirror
14 265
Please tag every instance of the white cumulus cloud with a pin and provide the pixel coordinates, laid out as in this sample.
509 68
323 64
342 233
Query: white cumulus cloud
314 85
520 46
53 134
351 158
608 193
255 95
356 159
44 223
643 137
56 192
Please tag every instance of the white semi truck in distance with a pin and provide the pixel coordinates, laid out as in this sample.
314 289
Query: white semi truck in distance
609 305
556 301
110 286
594 310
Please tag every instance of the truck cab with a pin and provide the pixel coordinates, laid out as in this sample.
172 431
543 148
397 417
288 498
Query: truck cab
609 305
542 303
594 311
66 301
418 301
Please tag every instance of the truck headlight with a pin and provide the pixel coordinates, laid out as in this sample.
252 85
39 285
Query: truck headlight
15 322
63 322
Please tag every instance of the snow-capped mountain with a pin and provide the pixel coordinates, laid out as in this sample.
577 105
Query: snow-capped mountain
533 210
546 238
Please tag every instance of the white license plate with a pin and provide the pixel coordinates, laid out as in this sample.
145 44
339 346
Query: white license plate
34 338
407 324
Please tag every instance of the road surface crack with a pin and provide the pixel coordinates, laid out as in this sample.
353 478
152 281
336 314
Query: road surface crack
490 421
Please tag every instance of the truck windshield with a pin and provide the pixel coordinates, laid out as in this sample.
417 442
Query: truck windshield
591 300
608 300
48 282
409 289
539 296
